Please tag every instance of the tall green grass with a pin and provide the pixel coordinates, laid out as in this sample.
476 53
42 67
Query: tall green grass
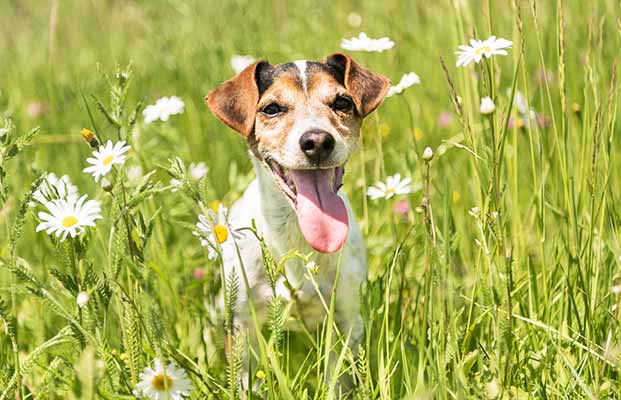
501 281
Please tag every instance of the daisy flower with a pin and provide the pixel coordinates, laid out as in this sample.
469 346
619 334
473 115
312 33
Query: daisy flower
164 382
487 106
198 170
104 158
478 49
406 81
54 188
394 185
240 63
163 109
365 43
69 216
214 229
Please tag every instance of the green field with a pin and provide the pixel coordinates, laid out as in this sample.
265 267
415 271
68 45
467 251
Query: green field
499 278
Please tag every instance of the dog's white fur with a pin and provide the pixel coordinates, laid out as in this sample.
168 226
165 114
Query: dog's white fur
275 219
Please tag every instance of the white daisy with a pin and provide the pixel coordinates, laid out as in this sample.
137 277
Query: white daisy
163 109
69 216
198 170
394 185
54 188
478 49
487 106
406 81
104 158
365 43
215 229
164 382
240 63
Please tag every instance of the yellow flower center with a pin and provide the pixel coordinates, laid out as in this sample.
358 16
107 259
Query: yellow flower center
484 49
390 190
221 232
108 160
161 382
69 221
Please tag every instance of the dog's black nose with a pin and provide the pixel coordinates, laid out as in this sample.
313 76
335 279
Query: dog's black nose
317 145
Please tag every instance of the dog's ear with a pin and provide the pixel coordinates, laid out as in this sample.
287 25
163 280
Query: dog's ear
368 88
234 102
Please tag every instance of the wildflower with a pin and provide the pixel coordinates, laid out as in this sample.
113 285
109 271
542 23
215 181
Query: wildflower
240 63
475 212
456 196
198 273
214 229
354 19
427 154
164 382
69 216
3 132
615 289
406 81
90 137
545 75
365 43
401 208
478 49
36 109
198 170
487 106
104 158
106 185
176 184
82 298
445 119
576 108
55 188
393 186
517 122
260 375
163 109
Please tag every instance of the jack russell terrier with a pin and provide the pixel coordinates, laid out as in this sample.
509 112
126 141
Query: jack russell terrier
301 121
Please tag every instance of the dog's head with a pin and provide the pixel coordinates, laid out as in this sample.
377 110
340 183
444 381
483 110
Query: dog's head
302 120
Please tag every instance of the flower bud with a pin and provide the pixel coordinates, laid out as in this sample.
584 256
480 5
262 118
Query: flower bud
487 106
427 154
82 299
4 135
106 185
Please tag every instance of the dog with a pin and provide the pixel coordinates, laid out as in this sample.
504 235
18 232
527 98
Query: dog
301 121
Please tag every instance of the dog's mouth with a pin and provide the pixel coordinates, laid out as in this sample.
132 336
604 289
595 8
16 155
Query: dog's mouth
286 182
321 212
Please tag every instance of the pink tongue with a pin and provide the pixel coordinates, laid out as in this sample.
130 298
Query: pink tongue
321 212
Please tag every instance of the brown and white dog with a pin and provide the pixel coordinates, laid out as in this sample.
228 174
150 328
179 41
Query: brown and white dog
301 121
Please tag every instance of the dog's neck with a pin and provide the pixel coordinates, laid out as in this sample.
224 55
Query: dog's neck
280 221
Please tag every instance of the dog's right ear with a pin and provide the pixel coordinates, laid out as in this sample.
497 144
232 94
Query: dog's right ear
234 102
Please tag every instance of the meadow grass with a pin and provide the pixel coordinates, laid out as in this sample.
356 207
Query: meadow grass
498 279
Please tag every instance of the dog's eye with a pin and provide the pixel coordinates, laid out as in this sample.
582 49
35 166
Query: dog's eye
271 109
342 103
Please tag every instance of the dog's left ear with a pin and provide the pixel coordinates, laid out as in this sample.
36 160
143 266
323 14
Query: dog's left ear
368 88
234 102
